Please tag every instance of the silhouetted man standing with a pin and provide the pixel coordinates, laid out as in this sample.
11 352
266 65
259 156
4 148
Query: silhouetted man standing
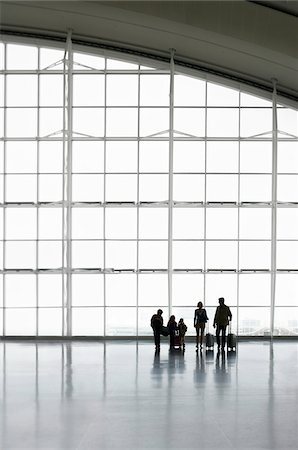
156 324
221 319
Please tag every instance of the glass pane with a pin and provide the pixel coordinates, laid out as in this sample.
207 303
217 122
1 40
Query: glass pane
222 157
122 90
222 122
21 90
154 156
20 223
153 188
221 223
20 290
154 90
255 188
153 255
153 223
90 61
116 64
50 290
255 223
121 188
88 121
121 156
287 255
2 157
188 289
87 156
87 254
221 96
49 56
50 188
121 255
49 322
88 90
252 100
144 318
287 223
87 321
1 56
255 255
222 188
50 254
255 121
50 223
20 255
256 157
189 156
154 121
224 285
50 121
21 157
190 121
26 118
121 223
287 157
87 290
286 293
221 255
87 188
121 290
254 322
153 290
189 188
21 57
20 322
286 321
287 188
188 255
254 289
121 321
188 223
122 122
189 91
87 223
287 120
51 90
51 157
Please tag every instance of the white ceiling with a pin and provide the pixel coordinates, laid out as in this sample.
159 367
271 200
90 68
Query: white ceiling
244 38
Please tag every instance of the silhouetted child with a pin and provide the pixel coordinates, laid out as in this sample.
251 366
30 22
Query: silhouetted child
182 328
172 327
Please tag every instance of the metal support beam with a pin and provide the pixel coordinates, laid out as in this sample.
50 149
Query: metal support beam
274 201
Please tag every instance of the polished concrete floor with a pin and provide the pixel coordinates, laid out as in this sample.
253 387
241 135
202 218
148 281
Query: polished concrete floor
120 395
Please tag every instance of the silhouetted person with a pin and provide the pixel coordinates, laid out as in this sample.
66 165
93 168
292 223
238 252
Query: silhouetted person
221 320
182 328
199 322
172 327
156 324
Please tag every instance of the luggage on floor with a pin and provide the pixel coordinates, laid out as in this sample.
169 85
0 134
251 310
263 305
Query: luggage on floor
209 340
231 339
164 331
177 340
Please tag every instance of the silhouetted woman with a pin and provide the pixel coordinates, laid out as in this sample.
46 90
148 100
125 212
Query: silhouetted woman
172 327
199 323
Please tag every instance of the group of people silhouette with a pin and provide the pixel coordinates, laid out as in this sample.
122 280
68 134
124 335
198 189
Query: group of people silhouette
176 331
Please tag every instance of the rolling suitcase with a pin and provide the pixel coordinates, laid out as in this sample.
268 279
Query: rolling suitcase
231 340
209 340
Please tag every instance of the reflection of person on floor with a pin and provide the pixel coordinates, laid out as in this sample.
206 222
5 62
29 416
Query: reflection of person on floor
199 323
156 324
221 320
182 328
172 327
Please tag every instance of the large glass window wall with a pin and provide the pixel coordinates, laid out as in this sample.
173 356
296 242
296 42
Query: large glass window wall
125 188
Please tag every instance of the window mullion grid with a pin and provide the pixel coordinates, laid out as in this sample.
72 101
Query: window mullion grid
138 208
64 197
104 200
37 194
4 192
170 207
238 217
205 197
273 207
